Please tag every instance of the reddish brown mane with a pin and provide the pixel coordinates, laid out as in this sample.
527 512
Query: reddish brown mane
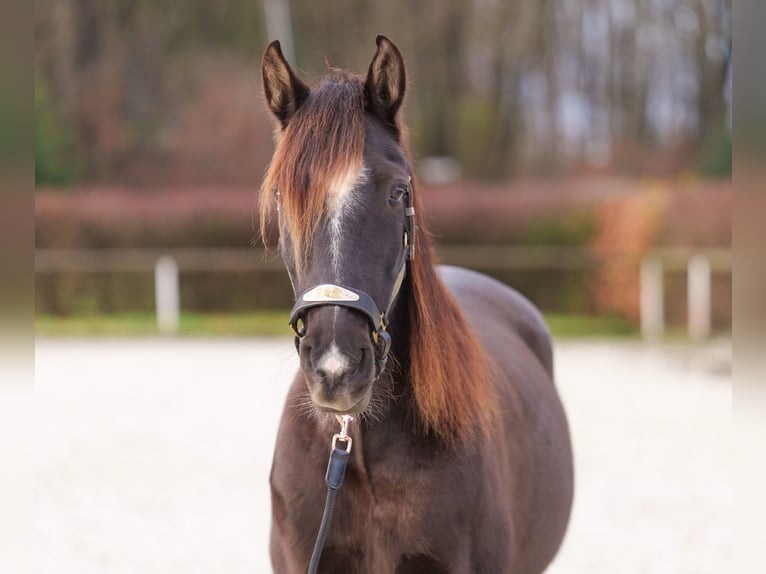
321 144
448 369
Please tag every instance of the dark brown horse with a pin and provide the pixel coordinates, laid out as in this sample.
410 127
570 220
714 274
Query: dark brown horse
461 459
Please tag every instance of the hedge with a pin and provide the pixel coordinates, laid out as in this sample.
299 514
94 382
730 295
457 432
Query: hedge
603 215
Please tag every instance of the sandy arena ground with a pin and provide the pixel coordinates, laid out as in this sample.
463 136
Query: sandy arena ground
155 455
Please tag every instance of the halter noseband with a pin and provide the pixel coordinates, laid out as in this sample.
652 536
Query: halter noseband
331 294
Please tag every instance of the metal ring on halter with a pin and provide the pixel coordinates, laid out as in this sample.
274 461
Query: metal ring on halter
299 327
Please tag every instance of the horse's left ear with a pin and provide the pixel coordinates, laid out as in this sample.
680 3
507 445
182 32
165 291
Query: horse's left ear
385 84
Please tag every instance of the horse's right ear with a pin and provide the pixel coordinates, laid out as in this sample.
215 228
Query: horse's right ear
284 91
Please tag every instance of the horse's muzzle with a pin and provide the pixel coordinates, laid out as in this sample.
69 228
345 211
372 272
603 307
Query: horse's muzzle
338 359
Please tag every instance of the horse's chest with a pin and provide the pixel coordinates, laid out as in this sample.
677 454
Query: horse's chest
392 503
394 513
378 523
390 508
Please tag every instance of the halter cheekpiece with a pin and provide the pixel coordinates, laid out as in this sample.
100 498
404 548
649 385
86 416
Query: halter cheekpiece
344 296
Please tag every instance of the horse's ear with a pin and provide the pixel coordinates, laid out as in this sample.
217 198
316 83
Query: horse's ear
284 91
384 87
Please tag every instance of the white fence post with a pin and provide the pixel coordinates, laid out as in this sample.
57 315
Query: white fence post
167 295
698 297
652 298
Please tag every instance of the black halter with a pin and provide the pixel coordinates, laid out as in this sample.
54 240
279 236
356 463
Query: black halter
342 296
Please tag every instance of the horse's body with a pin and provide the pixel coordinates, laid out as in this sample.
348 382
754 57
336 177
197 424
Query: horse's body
474 475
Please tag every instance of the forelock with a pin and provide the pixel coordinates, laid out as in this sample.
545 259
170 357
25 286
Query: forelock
321 148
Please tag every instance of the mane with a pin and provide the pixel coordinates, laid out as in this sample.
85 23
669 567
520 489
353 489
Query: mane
321 146
448 369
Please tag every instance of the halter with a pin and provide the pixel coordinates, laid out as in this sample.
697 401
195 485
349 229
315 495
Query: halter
344 296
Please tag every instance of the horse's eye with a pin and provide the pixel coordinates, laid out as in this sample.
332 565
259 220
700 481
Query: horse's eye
397 192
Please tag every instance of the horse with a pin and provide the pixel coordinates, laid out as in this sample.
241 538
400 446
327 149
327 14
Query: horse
462 458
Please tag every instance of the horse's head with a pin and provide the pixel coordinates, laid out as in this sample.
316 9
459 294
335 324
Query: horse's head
340 180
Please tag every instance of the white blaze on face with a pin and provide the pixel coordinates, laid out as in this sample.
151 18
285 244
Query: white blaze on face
341 201
333 361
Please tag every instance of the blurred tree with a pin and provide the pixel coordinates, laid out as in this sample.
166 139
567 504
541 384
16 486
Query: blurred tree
56 163
506 87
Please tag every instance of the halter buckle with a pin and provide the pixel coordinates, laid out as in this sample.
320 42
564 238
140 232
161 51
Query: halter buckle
409 229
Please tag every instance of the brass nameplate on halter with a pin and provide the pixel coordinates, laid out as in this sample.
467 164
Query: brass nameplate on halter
330 293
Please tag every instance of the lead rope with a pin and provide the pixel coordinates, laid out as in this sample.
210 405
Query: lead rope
336 468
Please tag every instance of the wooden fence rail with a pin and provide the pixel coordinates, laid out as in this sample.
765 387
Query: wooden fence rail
166 264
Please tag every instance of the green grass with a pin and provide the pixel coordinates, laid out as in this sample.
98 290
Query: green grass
271 323
266 323
565 326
